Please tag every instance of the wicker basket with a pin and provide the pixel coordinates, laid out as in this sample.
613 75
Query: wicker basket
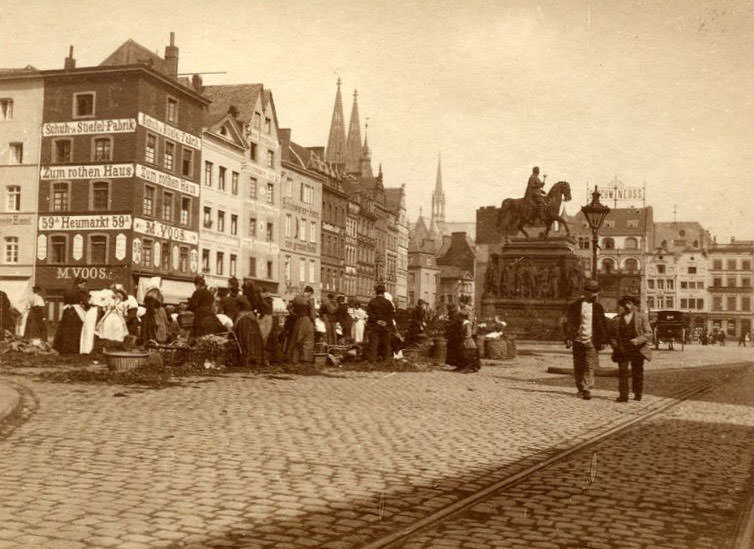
125 360
497 349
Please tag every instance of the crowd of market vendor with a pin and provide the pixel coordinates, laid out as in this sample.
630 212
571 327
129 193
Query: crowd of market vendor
264 328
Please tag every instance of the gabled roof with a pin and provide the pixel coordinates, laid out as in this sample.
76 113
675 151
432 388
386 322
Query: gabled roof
228 129
241 96
133 53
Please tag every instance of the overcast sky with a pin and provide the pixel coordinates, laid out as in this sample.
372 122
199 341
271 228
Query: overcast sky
660 92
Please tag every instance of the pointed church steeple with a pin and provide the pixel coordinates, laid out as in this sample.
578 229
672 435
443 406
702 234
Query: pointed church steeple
438 199
365 159
353 141
336 142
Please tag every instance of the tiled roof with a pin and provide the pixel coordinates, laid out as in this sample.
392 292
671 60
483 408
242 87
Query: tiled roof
133 53
28 69
242 96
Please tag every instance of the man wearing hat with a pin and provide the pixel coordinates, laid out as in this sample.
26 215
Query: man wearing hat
586 332
381 314
630 341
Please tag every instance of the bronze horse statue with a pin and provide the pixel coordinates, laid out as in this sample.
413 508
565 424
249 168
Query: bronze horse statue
516 213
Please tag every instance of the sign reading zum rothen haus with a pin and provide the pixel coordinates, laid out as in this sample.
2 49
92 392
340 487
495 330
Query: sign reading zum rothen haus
105 222
86 127
96 171
168 131
167 180
169 232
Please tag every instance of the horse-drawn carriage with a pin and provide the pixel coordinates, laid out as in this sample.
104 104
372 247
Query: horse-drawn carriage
670 327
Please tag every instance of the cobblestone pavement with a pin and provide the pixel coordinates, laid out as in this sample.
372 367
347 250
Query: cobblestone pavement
287 461
680 479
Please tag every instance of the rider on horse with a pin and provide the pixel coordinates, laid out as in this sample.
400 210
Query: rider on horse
534 198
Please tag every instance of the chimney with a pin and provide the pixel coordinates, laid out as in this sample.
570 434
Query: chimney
171 57
196 82
70 62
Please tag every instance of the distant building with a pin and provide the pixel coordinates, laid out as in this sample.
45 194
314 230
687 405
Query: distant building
457 268
730 287
423 273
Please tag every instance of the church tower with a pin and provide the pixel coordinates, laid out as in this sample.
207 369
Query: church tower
336 142
353 141
365 159
437 218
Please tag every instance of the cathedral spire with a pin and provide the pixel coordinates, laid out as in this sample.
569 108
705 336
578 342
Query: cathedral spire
353 141
438 198
336 142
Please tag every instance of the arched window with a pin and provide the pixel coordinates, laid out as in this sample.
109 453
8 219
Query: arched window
608 244
631 243
608 265
631 265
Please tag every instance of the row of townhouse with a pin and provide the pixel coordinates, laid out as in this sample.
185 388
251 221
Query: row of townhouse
671 265
125 172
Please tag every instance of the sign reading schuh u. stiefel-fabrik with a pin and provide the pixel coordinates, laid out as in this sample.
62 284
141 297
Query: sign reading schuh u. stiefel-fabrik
86 127
168 232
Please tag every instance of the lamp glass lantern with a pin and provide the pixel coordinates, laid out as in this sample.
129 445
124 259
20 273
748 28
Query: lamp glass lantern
595 213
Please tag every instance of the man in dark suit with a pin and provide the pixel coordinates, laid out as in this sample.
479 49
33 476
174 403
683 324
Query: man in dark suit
630 340
586 331
381 314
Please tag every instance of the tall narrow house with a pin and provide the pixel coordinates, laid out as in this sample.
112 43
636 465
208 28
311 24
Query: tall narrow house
119 176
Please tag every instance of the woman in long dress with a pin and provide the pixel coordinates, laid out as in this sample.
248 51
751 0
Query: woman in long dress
201 304
112 326
68 334
36 325
300 343
359 321
249 336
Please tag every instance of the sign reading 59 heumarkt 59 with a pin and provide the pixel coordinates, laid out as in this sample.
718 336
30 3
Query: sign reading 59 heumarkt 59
106 222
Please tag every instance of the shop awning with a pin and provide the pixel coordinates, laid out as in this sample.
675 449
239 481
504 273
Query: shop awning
175 291
17 290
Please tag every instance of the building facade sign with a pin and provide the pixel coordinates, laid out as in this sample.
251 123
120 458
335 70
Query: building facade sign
167 180
168 232
86 127
62 273
170 132
105 222
621 192
331 228
101 171
262 173
15 219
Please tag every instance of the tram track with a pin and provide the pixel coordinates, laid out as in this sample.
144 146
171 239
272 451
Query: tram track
398 537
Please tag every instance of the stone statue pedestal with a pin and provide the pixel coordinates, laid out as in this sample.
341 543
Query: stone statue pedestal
529 285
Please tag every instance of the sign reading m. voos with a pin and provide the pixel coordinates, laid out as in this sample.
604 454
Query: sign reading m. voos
168 232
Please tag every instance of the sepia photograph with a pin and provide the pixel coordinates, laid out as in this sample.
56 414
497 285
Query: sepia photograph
377 274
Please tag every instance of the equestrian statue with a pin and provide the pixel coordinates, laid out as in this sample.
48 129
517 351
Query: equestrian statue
536 207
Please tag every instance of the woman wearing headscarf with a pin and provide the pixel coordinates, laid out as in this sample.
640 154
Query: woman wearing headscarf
201 304
36 327
300 343
359 322
154 323
68 334
112 326
247 331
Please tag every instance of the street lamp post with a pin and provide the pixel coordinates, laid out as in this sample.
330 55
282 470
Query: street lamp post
595 214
